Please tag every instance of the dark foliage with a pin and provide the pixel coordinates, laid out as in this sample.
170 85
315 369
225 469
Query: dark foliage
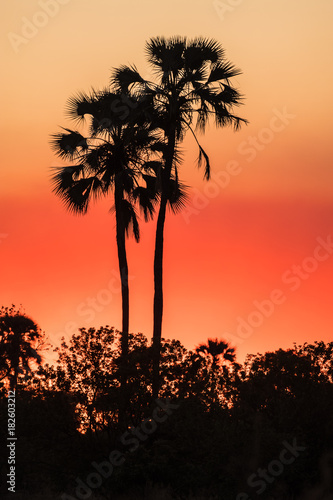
226 422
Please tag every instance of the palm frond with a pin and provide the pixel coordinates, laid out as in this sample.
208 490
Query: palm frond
124 77
167 58
216 348
147 200
79 105
64 177
126 175
229 354
152 166
178 156
113 110
158 146
207 49
204 159
177 193
95 159
166 53
130 219
229 96
203 115
153 183
77 197
223 117
223 70
68 145
19 325
195 76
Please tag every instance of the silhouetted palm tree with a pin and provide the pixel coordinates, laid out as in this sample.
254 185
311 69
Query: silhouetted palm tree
19 336
193 81
109 158
217 350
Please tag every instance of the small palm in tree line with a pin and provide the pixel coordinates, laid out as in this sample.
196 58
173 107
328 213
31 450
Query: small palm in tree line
19 345
217 350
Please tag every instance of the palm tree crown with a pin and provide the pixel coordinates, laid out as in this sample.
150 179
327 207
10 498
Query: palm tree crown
217 350
110 157
193 85
19 336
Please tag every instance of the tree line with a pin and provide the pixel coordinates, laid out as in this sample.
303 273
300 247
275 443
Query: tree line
219 429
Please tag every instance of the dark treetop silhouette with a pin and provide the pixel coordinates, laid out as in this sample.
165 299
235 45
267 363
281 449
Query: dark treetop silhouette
231 424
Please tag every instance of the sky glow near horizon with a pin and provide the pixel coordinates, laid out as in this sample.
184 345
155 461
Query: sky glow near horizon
245 250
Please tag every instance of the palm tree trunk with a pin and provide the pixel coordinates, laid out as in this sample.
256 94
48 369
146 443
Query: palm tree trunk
123 270
158 296
158 263
15 362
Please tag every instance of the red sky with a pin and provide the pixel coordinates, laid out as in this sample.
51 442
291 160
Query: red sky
270 200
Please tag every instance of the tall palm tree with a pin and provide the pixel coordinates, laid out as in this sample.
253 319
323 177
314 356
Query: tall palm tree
108 158
19 337
193 84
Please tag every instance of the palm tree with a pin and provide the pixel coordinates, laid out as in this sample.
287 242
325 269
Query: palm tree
108 158
19 337
216 350
210 360
193 84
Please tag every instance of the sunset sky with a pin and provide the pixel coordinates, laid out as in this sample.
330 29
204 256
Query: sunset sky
257 237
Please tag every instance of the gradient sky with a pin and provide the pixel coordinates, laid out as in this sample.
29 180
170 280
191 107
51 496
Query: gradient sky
241 234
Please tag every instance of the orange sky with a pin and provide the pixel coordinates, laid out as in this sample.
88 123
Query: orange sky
241 234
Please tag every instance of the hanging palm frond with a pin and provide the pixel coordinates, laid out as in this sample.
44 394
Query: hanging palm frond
203 158
223 70
64 177
147 200
130 219
177 193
